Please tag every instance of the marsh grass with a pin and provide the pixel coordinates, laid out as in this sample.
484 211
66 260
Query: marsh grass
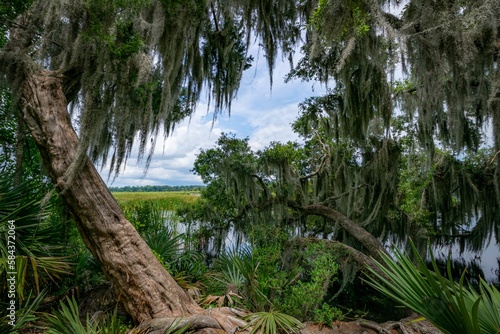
167 200
150 211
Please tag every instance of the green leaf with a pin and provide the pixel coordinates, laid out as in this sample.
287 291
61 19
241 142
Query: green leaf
272 322
452 307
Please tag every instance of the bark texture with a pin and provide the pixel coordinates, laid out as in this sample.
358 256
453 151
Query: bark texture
144 287
372 244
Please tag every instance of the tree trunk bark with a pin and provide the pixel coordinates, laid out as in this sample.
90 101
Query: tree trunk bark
20 138
372 245
144 287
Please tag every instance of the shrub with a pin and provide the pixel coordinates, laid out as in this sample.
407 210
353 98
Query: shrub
304 297
327 314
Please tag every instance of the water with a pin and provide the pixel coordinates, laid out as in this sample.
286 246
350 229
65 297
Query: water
484 263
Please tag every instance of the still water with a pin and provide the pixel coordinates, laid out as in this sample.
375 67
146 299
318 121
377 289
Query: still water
484 263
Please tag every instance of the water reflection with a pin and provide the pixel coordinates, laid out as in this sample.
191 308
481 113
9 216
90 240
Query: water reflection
484 262
480 257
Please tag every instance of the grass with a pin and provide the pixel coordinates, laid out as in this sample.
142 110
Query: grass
167 200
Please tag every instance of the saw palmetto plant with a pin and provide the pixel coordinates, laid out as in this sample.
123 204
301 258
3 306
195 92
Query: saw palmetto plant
453 307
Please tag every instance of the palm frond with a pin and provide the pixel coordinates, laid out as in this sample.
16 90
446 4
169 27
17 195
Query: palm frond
452 307
272 322
165 242
40 237
489 309
25 315
67 320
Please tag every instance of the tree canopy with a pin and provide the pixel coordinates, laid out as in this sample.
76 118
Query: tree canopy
135 67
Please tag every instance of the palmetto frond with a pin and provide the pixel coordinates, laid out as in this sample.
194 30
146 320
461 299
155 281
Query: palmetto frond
39 237
452 307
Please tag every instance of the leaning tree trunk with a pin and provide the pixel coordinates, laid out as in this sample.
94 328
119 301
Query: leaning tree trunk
365 238
144 287
142 284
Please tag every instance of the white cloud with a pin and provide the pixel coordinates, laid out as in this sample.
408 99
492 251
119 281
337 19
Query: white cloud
173 158
273 126
257 112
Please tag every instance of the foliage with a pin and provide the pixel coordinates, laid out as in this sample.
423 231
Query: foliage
9 10
25 315
161 231
67 320
228 170
40 253
239 273
452 307
269 277
19 156
184 188
249 188
391 187
230 299
145 215
130 70
231 153
451 197
304 299
253 277
327 314
175 329
88 272
153 60
272 322
150 212
8 128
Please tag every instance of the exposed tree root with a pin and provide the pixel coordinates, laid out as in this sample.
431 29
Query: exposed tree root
229 318
405 326
374 326
214 321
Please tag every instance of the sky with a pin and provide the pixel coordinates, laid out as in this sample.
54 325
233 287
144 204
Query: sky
262 114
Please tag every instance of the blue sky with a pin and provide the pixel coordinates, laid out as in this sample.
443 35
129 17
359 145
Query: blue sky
259 113
262 114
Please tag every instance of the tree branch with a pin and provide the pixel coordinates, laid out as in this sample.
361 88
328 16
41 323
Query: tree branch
372 244
252 205
324 159
215 18
25 27
262 184
334 198
493 159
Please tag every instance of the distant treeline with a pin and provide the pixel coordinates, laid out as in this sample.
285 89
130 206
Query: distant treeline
155 188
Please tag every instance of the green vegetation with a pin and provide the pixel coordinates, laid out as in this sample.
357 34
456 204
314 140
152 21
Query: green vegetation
156 188
280 283
272 322
170 200
454 308
305 299
43 257
68 320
